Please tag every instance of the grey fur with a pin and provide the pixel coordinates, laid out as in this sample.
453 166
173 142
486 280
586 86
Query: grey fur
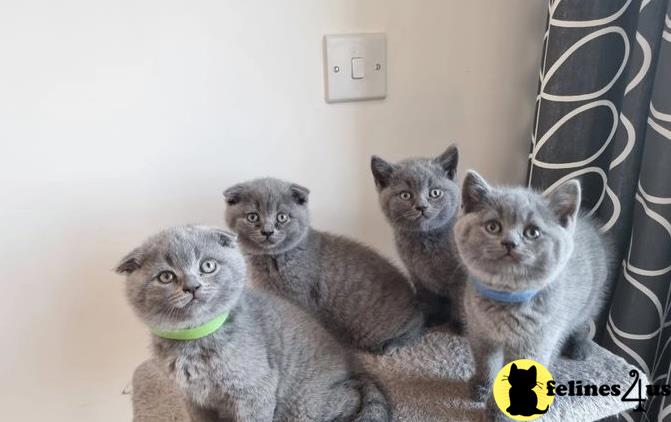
567 262
270 361
354 291
425 240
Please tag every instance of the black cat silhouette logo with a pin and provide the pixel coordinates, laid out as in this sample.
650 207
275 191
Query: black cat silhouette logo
519 390
523 398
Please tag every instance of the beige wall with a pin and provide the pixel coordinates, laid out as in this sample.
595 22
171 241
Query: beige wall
118 118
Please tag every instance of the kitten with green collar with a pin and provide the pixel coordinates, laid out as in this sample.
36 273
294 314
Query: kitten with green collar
236 353
355 292
537 275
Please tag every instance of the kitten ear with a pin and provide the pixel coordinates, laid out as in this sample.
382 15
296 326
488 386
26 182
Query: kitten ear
299 193
234 194
474 191
225 238
514 367
565 202
448 160
382 171
533 371
130 262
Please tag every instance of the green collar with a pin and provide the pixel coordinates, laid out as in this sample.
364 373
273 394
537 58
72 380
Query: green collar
193 333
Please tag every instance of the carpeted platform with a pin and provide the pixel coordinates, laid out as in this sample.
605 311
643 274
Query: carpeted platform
426 383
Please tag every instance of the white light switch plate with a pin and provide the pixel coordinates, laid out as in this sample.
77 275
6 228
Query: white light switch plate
368 79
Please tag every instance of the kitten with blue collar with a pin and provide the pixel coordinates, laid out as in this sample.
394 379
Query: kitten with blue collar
537 273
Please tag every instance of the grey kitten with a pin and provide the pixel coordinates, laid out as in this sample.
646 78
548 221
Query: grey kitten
355 292
420 198
537 272
269 361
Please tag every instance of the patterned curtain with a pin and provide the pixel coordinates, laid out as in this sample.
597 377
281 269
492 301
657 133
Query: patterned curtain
603 115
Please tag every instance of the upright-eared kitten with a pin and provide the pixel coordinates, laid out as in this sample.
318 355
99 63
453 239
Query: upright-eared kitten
354 291
268 361
420 198
537 272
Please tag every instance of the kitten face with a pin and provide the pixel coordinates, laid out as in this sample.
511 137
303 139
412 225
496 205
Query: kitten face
418 194
184 276
514 239
270 216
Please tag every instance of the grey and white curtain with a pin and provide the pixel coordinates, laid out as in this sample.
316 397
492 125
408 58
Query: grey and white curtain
603 115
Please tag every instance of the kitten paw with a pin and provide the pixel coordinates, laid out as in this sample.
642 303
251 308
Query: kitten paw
479 392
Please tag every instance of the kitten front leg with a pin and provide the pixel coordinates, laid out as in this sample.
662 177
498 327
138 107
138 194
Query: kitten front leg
254 409
487 358
437 309
457 314
251 402
541 348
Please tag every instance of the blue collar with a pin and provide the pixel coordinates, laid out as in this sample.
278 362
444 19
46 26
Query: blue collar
502 296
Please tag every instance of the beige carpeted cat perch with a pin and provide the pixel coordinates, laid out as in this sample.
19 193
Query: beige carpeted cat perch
426 383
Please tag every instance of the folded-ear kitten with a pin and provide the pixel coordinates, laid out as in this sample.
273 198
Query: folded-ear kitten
355 292
236 353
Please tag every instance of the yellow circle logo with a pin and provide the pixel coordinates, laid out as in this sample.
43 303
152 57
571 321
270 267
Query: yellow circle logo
520 390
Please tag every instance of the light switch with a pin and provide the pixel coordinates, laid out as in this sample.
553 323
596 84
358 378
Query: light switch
358 68
355 67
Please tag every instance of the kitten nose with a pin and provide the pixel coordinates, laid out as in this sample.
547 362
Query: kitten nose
421 208
509 244
190 288
267 232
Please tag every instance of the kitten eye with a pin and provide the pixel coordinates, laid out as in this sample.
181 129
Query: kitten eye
435 193
493 226
405 195
166 277
282 218
252 217
208 266
531 232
